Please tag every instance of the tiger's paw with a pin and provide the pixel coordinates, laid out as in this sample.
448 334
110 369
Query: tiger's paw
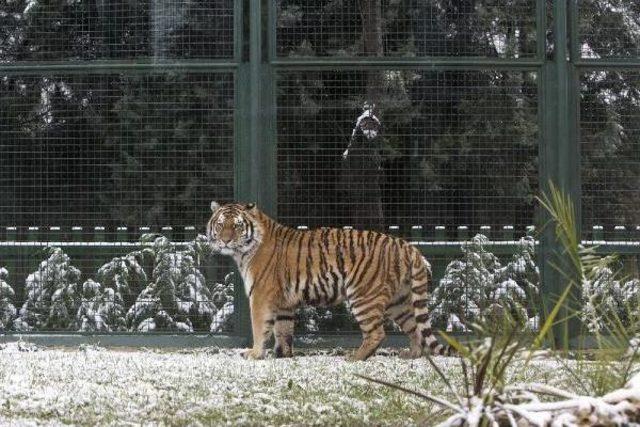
252 354
354 356
282 352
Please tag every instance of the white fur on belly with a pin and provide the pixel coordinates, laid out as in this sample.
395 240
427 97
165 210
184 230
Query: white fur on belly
248 282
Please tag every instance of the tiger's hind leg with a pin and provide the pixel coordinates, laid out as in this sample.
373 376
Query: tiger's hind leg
371 339
283 331
402 314
370 318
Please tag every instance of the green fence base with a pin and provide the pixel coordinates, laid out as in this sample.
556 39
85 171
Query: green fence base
177 341
128 340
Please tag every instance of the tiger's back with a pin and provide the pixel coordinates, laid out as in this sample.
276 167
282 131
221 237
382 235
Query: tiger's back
378 275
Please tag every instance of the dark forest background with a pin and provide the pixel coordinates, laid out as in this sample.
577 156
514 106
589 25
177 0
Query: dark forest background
459 147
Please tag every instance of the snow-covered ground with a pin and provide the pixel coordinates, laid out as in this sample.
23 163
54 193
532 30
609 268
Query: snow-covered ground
212 386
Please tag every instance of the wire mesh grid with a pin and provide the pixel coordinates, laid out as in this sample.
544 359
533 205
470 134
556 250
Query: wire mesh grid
116 149
494 28
34 30
610 144
89 163
454 148
609 29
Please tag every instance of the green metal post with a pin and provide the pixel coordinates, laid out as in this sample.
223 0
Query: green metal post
262 102
121 234
463 233
417 233
507 233
12 234
559 154
255 145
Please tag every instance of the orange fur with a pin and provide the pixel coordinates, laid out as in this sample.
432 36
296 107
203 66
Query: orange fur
282 268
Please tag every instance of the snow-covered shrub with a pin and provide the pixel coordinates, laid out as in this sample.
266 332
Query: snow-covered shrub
7 309
478 286
318 319
52 295
125 275
222 296
522 267
177 297
101 309
606 299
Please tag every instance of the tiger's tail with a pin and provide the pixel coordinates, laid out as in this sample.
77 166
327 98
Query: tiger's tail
421 282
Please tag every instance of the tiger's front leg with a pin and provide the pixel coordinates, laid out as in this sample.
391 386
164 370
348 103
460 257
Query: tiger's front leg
283 331
262 321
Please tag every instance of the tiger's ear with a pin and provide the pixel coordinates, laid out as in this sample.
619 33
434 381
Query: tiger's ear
214 206
250 206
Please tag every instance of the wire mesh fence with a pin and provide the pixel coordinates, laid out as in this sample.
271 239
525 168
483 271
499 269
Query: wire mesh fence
453 148
496 29
114 149
428 120
608 30
610 136
33 30
90 163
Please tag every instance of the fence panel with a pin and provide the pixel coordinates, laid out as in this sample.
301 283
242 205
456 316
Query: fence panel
496 29
117 119
455 148
456 133
115 30
610 141
116 116
607 30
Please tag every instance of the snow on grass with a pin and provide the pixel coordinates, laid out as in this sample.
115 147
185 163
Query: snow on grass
211 386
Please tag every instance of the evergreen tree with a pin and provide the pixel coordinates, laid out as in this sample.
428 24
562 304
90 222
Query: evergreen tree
53 295
101 309
223 298
607 300
177 297
7 294
478 287
125 275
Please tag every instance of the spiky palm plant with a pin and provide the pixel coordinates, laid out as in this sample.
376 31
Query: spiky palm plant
486 398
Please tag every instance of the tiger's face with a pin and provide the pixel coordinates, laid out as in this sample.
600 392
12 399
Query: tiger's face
232 228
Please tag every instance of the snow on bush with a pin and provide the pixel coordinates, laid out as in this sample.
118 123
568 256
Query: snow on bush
606 299
318 319
125 275
7 309
177 297
101 309
222 294
478 286
52 295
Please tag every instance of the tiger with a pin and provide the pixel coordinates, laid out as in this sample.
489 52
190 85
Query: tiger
379 276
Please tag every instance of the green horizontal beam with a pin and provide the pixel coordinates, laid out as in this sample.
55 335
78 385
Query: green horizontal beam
306 341
155 340
454 248
621 249
102 66
426 62
599 64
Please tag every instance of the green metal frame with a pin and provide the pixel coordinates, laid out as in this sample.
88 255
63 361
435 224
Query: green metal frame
255 154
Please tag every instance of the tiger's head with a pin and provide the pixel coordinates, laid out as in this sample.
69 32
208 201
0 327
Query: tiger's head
233 229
